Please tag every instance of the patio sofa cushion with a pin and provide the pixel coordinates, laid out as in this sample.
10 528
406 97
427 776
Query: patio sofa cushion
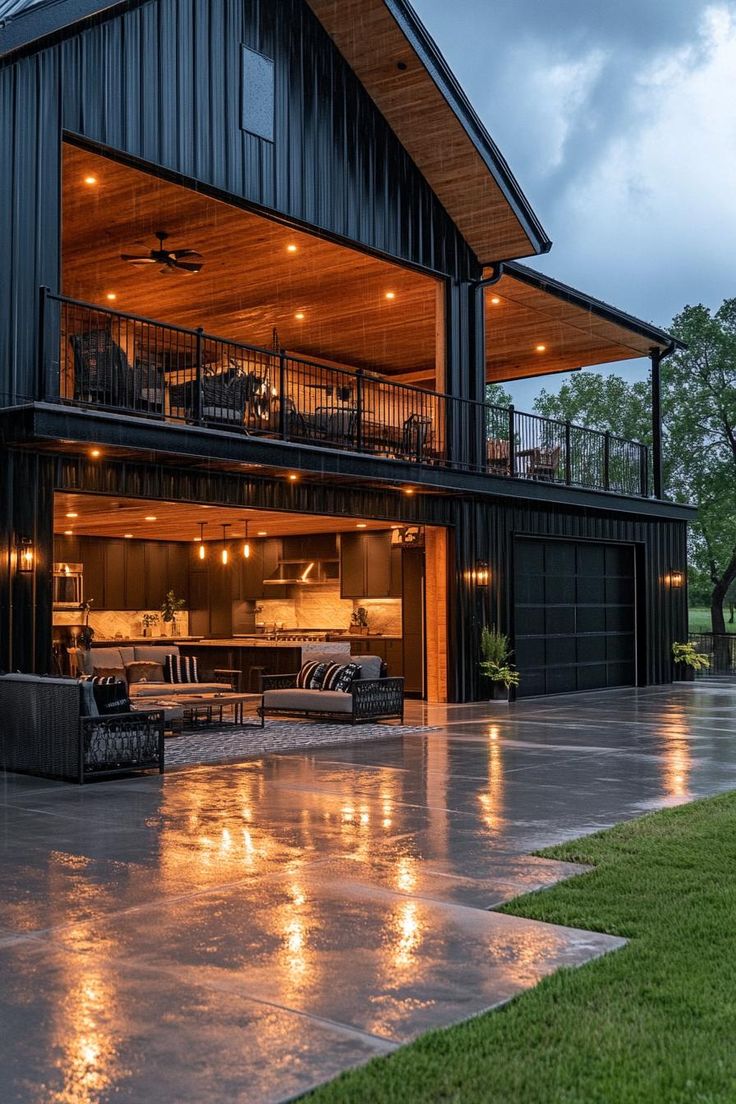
371 667
144 670
318 701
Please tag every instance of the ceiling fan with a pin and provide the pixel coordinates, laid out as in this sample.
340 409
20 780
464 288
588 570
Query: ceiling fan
172 260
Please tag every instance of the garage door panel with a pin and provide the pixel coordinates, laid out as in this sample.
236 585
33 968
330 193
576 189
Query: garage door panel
579 633
559 590
558 619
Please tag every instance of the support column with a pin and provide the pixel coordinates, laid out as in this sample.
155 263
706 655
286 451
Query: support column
655 355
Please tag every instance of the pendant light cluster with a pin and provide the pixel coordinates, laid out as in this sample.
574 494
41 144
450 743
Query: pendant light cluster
224 550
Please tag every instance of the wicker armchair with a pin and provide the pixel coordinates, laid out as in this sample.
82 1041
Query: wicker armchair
44 732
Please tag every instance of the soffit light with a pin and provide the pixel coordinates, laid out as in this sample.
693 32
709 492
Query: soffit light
299 316
262 533
111 295
72 514
128 536
292 248
95 453
541 348
361 525
151 517
390 294
495 300
90 180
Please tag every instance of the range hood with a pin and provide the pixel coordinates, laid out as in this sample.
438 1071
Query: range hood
304 573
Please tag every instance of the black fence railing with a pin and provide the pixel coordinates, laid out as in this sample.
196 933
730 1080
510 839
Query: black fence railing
720 648
102 358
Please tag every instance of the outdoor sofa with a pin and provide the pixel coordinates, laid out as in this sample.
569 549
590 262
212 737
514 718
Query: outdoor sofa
115 658
52 727
372 696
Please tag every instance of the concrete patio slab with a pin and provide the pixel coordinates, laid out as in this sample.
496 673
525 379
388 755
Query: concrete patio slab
242 932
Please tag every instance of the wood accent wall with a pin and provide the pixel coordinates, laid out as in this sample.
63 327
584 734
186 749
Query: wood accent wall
436 599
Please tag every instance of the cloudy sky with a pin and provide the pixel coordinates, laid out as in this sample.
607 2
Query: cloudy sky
618 118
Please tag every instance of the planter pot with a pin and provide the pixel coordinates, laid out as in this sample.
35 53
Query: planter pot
499 692
683 673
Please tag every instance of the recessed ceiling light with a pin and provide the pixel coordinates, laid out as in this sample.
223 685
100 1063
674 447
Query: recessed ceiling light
128 536
495 300
111 295
361 525
292 248
390 294
541 348
293 478
408 490
196 539
68 532
299 316
90 180
262 533
95 454
151 517
72 514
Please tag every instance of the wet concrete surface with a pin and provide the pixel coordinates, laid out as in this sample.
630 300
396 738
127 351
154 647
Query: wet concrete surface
243 932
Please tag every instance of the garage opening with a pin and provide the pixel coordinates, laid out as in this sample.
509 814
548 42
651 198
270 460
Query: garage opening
574 615
253 588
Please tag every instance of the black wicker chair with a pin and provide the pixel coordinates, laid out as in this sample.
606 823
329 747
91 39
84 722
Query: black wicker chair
44 731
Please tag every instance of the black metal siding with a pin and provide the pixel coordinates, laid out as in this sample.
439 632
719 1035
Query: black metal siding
162 83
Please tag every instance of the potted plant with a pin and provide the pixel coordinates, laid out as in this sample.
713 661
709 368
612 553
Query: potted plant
170 606
688 660
149 620
496 663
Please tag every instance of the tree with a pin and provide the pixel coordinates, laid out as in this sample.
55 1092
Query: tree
700 439
699 444
496 394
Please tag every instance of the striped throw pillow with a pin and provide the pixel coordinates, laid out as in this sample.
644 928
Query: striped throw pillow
340 676
311 675
181 668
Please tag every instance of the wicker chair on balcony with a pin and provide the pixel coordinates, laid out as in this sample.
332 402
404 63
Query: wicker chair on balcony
417 437
544 463
102 375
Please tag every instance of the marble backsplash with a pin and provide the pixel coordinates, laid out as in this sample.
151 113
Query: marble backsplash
122 624
325 609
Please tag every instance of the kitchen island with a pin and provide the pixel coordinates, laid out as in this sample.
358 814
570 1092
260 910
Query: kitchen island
252 656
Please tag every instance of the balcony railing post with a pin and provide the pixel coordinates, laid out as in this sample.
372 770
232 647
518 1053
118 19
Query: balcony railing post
41 365
512 441
359 410
644 471
568 453
606 460
283 420
200 365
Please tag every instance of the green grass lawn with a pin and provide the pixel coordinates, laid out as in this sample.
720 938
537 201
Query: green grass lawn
654 1023
699 620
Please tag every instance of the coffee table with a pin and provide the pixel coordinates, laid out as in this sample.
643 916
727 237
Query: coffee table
202 708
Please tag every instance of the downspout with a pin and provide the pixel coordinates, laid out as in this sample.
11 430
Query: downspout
657 355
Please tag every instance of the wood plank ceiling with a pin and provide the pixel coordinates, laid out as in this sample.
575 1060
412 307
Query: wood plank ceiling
106 516
530 332
326 301
367 35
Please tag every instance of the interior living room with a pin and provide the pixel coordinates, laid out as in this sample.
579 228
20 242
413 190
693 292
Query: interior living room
251 592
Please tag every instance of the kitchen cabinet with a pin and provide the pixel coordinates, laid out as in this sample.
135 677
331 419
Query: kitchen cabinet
135 576
366 565
157 573
114 582
92 555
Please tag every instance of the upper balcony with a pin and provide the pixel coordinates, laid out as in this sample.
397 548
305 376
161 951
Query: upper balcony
106 360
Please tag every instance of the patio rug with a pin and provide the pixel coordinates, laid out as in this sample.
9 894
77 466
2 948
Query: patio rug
231 742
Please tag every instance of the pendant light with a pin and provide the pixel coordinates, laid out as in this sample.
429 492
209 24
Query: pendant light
225 555
202 551
246 546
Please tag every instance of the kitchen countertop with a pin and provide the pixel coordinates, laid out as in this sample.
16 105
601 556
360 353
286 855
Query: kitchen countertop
257 642
128 640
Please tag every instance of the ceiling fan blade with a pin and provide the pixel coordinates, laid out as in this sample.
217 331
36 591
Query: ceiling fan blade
137 259
186 266
177 253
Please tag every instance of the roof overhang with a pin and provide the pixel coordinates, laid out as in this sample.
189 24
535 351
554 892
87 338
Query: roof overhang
538 326
402 69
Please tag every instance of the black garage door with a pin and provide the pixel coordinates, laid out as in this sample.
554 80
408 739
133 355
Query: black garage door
575 619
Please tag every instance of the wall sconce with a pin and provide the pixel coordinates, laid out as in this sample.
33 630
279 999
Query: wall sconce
482 573
25 557
676 579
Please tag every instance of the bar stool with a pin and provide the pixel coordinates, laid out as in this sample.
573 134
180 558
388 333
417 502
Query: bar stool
254 679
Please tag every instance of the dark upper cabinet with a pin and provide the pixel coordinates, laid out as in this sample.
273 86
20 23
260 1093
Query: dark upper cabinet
177 564
115 553
93 557
135 575
366 566
310 546
250 574
157 573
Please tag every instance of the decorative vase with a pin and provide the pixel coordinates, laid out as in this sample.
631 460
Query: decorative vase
175 629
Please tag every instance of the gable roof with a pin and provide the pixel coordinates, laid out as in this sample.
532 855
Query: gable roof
406 76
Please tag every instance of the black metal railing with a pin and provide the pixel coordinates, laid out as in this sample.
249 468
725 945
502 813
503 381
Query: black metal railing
720 648
102 358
